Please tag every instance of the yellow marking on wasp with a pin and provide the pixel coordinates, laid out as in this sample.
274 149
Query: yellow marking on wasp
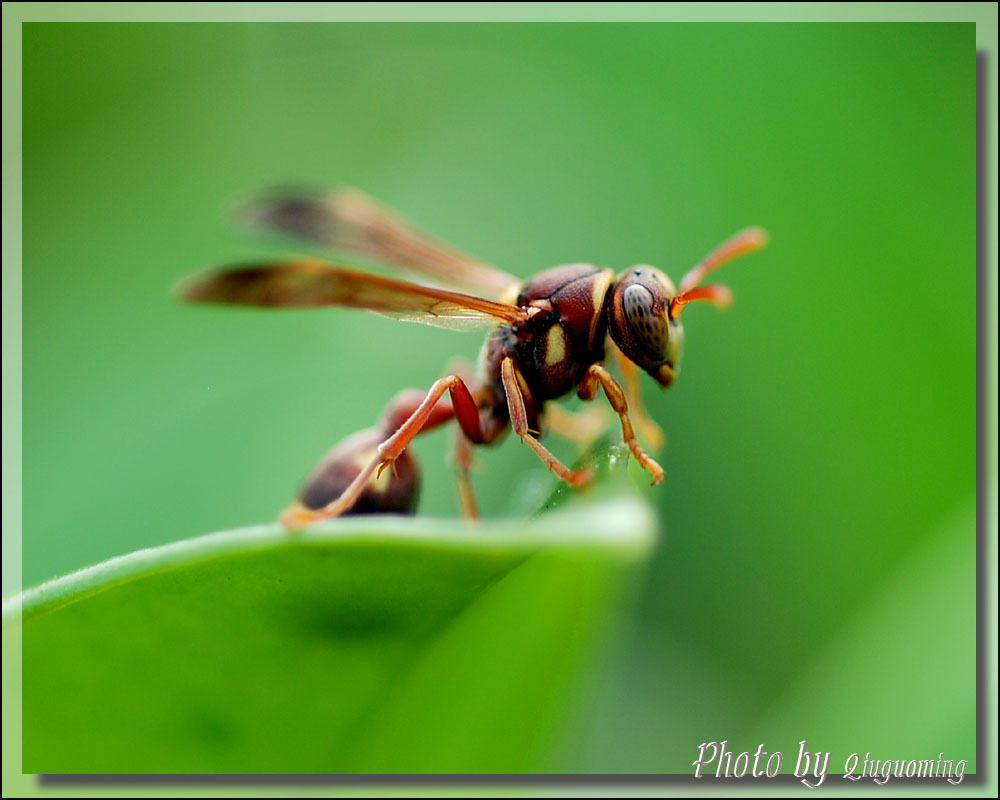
555 346
602 282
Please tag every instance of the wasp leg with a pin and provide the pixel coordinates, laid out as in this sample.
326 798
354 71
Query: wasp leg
394 494
462 460
580 427
340 466
407 419
519 422
647 429
462 453
587 390
405 404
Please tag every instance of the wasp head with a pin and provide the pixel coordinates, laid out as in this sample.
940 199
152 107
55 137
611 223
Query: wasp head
640 323
644 307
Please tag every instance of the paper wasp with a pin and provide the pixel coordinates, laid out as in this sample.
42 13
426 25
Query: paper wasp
547 336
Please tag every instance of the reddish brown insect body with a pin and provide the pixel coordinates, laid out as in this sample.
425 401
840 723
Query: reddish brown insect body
395 492
548 337
555 346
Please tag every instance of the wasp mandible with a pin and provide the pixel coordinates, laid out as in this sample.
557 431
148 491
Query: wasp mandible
547 336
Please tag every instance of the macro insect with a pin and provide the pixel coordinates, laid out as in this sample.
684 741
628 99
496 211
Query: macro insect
548 336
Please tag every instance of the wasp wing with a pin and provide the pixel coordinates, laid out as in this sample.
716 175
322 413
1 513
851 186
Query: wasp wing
307 283
349 220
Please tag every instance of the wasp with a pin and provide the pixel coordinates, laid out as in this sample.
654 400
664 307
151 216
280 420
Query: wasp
547 337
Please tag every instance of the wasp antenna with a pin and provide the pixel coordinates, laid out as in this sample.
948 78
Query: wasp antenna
715 294
744 242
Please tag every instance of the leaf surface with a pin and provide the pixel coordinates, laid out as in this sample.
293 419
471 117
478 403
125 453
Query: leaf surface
370 645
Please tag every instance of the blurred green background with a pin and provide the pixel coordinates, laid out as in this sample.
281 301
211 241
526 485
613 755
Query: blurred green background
816 574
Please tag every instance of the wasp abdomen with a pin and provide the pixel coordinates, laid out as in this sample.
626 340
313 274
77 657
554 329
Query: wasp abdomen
395 491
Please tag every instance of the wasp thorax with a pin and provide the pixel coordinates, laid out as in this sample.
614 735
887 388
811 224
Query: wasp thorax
640 324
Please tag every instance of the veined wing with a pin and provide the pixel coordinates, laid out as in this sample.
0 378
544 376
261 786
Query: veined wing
349 220
304 283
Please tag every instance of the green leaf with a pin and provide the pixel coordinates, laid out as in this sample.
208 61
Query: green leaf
920 701
366 645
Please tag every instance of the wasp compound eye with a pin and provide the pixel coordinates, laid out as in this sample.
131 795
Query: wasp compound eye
648 327
640 323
